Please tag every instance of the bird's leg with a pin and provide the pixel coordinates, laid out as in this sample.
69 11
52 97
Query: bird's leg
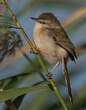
44 51
64 67
50 72
39 50
58 62
36 50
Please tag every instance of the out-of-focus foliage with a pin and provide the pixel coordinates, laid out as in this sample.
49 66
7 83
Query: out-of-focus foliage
8 42
27 89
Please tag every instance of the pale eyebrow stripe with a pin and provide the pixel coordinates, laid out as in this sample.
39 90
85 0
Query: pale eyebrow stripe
71 19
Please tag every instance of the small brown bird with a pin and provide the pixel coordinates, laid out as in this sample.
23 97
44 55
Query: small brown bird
53 43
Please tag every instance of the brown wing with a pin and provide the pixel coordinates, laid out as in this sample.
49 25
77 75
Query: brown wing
61 39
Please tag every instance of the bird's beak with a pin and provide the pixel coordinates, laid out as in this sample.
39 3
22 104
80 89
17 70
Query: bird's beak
33 18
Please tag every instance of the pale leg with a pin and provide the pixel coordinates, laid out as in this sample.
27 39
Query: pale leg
54 67
50 73
39 50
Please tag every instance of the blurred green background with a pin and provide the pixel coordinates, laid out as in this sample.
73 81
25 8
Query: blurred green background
43 98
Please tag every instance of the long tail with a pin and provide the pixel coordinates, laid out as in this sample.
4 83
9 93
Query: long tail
64 67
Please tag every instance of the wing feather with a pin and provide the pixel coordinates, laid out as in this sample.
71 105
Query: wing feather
61 38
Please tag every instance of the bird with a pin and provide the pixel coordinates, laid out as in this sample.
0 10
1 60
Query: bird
53 43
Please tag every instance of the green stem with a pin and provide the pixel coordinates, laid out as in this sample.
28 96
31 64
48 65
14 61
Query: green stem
33 64
58 95
38 57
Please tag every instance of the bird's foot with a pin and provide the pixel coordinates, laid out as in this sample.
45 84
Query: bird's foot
49 75
34 52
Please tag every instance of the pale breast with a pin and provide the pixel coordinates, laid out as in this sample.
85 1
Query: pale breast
46 42
42 40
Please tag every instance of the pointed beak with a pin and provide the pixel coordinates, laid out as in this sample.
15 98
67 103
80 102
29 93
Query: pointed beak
33 18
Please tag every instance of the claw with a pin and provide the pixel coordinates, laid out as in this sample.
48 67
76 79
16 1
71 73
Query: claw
49 75
34 52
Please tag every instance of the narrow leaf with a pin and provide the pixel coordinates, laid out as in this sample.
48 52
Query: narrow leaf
10 93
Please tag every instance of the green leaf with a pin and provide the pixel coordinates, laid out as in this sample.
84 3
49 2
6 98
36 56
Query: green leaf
10 93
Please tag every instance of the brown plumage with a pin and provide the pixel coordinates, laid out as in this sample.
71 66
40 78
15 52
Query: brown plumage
50 36
63 41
